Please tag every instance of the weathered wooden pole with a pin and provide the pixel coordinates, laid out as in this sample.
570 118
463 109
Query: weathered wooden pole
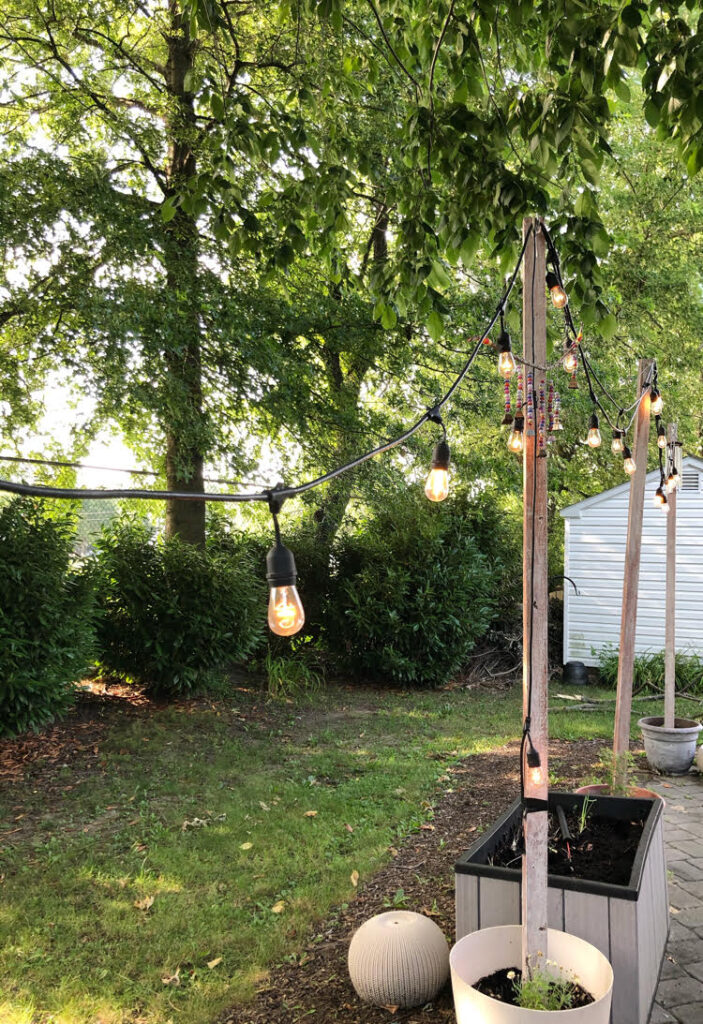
631 579
535 597
670 633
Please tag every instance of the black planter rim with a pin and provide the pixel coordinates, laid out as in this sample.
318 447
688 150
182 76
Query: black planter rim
473 862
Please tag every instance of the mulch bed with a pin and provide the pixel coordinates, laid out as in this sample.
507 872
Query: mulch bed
316 987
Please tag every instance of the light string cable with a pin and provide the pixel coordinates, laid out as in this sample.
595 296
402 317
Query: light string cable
588 367
433 414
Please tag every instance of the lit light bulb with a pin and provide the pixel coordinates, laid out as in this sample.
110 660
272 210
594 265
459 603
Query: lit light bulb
594 438
555 290
672 481
659 501
437 486
536 776
571 361
661 435
506 359
617 442
515 441
534 764
628 462
285 613
657 402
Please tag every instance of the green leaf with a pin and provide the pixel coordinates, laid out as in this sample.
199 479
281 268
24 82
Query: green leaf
608 326
435 325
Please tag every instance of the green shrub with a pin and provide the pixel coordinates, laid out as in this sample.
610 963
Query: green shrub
411 592
173 616
46 616
648 671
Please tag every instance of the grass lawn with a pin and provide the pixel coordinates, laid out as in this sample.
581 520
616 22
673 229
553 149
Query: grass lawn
295 799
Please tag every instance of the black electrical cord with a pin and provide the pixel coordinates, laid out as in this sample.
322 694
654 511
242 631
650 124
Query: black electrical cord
42 491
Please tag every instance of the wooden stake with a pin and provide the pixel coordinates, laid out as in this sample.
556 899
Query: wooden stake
631 579
535 597
670 636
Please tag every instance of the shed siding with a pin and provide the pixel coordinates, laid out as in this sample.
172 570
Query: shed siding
594 556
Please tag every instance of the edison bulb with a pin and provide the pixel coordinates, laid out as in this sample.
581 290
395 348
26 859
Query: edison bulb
286 615
437 486
657 403
671 481
617 443
535 776
558 296
594 438
570 361
628 462
506 364
515 441
661 440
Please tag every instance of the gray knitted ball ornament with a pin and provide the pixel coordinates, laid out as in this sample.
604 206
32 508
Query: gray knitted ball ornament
398 959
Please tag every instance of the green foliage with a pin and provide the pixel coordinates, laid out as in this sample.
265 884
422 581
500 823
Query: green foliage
411 592
541 991
173 615
291 678
46 615
648 671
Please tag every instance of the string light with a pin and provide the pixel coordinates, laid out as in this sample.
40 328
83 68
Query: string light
285 612
661 434
437 486
571 359
555 290
506 359
660 499
286 615
516 441
534 762
594 438
628 463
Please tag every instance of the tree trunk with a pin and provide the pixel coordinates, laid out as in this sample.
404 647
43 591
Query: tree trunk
184 420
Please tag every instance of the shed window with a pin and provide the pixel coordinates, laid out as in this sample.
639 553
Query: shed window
690 480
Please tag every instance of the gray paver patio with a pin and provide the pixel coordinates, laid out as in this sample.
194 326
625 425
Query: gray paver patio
679 998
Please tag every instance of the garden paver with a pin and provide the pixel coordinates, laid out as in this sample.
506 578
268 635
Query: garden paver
679 998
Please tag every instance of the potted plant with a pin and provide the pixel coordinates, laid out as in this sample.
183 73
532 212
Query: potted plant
574 968
604 782
670 742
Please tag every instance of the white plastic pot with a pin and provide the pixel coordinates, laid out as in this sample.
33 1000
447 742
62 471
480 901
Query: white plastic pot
481 953
670 751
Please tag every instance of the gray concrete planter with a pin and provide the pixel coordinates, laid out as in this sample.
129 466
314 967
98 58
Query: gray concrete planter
629 924
670 751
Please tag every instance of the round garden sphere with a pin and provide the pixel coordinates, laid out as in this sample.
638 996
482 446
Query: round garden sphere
398 959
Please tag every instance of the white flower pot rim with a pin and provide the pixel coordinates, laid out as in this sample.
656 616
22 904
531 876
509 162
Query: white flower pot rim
487 950
686 727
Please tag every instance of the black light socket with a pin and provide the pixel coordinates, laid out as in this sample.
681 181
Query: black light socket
533 758
280 567
593 422
440 455
552 280
626 453
503 342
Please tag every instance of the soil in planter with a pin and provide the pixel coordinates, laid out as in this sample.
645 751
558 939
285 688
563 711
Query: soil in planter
503 986
603 852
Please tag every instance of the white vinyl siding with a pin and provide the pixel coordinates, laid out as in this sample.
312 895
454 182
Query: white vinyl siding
594 555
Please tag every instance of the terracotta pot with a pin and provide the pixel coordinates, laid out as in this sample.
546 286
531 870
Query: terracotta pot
638 792
483 952
670 751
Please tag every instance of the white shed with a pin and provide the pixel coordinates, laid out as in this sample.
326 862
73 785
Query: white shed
594 556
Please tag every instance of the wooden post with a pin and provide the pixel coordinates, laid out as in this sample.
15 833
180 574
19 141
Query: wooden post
631 579
535 596
670 636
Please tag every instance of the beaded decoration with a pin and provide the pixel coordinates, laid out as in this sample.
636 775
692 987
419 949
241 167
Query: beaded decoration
508 417
530 406
542 422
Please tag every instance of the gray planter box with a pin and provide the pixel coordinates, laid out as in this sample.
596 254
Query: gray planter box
628 923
